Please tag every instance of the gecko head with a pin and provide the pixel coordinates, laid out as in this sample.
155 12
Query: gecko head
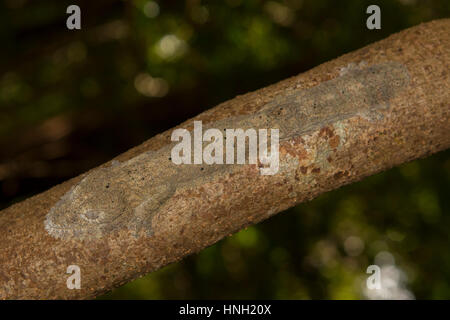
90 209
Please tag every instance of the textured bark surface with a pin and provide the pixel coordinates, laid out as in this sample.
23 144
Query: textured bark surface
414 123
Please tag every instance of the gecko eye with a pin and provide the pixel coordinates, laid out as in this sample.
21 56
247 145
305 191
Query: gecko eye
93 215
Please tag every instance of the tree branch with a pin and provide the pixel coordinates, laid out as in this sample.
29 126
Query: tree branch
377 107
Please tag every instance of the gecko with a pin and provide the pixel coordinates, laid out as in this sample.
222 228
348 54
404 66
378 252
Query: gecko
129 194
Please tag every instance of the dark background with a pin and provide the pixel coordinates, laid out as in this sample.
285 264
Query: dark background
71 100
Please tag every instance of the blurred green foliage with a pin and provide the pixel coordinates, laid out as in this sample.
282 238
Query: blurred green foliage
70 100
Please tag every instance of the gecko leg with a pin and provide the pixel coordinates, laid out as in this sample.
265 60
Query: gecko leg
144 213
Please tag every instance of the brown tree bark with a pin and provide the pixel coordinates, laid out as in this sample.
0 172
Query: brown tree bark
345 145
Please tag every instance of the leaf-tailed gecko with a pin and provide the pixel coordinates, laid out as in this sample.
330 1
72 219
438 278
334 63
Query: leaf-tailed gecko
129 194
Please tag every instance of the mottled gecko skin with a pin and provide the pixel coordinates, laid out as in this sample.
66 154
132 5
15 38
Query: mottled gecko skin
129 194
124 195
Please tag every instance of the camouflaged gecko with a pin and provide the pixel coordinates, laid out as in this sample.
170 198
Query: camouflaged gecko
129 194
